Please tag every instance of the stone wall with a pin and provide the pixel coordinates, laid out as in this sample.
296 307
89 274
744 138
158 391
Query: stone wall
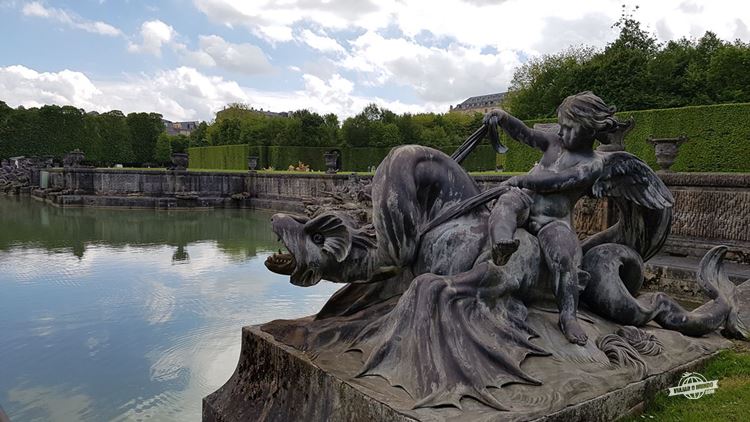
710 208
293 187
154 183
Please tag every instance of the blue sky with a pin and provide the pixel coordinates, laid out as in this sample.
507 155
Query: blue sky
188 58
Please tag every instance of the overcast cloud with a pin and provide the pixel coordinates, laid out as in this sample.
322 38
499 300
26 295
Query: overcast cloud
326 55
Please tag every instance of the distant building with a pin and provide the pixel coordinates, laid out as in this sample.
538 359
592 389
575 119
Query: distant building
179 128
479 104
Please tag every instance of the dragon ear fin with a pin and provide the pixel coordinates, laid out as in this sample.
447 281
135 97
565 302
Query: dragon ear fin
338 246
338 236
365 237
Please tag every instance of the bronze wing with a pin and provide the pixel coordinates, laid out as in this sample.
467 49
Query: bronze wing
644 204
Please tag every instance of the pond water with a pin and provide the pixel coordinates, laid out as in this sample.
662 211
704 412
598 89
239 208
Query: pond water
130 315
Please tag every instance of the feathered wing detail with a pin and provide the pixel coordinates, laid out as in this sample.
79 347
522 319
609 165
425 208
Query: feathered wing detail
626 176
644 202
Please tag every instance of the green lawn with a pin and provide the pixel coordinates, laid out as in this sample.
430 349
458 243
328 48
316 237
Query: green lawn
730 402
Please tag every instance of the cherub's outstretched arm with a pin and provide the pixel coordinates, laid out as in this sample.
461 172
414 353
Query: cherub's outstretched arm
518 130
548 181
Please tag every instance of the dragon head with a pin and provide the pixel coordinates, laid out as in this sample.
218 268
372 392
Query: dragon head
329 246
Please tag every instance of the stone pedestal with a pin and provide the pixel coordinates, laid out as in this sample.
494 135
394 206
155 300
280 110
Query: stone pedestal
275 382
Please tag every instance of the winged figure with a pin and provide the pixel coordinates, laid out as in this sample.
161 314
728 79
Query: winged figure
542 200
442 292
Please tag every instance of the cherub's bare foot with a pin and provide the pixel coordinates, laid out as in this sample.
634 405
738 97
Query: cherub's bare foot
572 330
503 249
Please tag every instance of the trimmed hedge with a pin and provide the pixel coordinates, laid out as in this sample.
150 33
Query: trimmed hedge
718 138
234 157
718 141
227 157
360 159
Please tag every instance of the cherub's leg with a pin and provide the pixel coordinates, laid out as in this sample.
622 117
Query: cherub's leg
511 210
562 253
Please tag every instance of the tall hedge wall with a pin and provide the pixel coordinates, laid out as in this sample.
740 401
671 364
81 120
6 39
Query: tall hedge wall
718 138
718 141
227 157
234 157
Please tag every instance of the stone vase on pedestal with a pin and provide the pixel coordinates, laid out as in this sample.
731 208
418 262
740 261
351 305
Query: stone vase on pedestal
179 160
252 163
615 140
332 159
74 158
666 151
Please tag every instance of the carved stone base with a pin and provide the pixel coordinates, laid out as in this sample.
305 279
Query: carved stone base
275 382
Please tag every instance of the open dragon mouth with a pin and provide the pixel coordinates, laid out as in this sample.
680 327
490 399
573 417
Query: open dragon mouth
287 227
281 263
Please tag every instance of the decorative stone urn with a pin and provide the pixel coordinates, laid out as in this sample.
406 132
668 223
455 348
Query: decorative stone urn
666 150
74 158
332 159
252 163
179 160
615 140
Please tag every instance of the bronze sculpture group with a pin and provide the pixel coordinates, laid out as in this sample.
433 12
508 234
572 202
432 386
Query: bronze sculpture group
447 293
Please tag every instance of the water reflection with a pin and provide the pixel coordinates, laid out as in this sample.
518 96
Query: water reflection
239 234
128 315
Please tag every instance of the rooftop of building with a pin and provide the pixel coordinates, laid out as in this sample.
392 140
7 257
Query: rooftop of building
482 100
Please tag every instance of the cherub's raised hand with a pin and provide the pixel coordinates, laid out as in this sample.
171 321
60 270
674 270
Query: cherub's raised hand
498 113
514 181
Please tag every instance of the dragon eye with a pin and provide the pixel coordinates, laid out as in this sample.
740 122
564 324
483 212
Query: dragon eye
318 238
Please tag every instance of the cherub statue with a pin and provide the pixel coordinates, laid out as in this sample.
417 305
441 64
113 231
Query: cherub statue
542 201
421 284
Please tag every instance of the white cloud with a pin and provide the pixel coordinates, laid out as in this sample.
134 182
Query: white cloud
38 10
244 58
321 42
179 94
436 74
184 93
439 53
213 50
154 34
273 20
29 88
453 49
332 95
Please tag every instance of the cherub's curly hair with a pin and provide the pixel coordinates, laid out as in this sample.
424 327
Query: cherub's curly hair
588 110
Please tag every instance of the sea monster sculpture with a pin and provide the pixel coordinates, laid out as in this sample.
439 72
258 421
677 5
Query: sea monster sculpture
439 309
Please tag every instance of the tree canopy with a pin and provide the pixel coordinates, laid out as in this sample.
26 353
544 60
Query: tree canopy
635 72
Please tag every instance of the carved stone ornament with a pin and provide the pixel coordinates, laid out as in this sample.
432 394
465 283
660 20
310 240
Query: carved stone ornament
666 150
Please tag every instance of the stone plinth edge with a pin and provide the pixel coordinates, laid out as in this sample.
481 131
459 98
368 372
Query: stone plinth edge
274 382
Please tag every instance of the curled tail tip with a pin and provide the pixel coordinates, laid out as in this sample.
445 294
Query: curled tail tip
735 328
736 324
713 279
711 276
